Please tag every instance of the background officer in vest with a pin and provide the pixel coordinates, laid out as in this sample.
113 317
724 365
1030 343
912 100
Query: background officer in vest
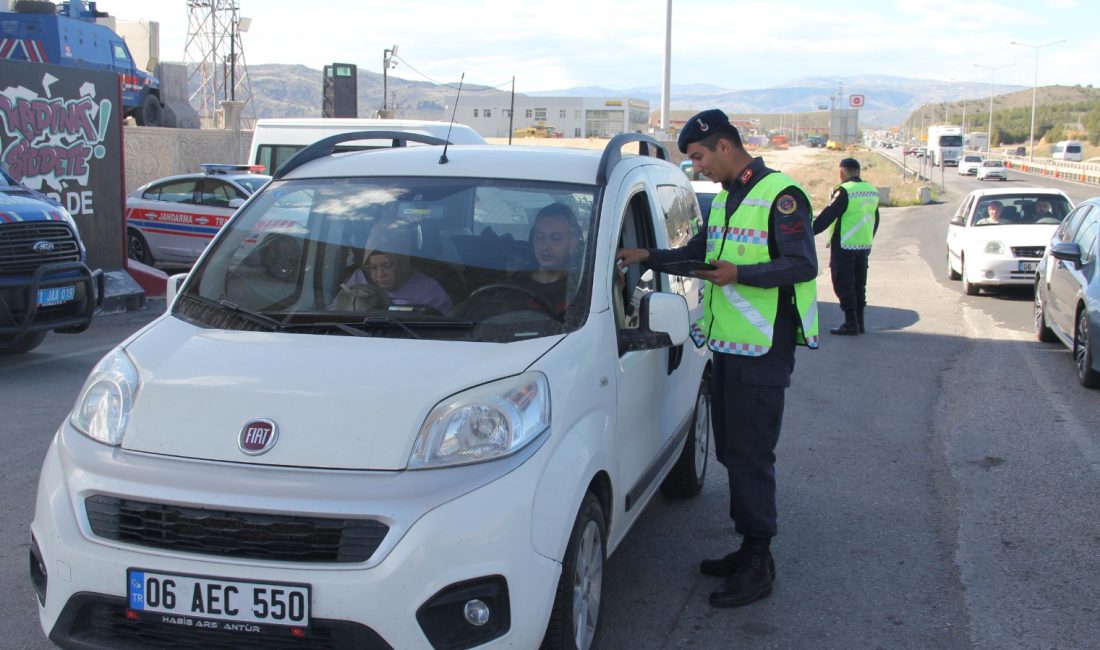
760 302
852 221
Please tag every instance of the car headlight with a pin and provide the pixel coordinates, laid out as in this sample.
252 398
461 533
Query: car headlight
483 423
103 408
994 248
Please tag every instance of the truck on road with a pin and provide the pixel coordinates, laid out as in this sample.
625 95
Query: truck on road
42 32
977 141
945 144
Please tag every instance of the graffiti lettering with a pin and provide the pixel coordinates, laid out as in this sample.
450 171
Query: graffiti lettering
30 118
25 160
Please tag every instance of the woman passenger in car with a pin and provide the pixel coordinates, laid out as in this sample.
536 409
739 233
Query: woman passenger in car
388 278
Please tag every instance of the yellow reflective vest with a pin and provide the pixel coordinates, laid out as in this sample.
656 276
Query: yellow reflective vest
857 224
740 319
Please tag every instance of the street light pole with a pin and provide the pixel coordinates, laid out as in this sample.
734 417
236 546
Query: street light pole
387 63
992 79
1034 90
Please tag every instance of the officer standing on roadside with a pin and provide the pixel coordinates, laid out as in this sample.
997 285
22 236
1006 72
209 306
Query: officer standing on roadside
852 221
760 302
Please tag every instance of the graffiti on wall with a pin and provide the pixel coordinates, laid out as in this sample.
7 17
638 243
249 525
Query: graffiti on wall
51 141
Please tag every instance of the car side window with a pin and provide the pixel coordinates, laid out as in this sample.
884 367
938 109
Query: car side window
636 281
1086 238
1073 222
151 194
178 192
677 206
965 209
217 193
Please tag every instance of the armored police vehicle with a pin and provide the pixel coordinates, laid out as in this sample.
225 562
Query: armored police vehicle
41 32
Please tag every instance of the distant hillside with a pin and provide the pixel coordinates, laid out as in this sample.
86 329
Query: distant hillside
295 91
1061 112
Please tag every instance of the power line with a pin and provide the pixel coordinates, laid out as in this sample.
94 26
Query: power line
447 85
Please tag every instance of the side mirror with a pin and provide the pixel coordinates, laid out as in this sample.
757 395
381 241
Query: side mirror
236 203
172 288
958 220
663 323
1067 251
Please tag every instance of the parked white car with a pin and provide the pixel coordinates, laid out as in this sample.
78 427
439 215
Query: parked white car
273 459
992 169
969 164
997 237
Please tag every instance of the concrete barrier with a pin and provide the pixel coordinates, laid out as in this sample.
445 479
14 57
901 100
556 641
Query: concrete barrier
924 195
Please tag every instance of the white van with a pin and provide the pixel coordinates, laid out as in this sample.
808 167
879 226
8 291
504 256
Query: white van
440 461
1067 150
274 141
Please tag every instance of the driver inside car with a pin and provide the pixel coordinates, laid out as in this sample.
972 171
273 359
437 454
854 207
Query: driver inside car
554 238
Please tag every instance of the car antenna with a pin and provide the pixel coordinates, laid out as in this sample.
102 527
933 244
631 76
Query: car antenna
443 159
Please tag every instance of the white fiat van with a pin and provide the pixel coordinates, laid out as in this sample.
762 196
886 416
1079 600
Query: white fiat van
431 432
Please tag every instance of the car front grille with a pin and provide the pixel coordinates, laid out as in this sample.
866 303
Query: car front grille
94 621
1028 251
18 243
236 534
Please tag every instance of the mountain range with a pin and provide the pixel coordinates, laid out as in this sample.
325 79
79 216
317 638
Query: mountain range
280 90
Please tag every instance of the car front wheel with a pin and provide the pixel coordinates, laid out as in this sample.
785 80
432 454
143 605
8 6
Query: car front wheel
687 475
1082 352
952 274
575 617
969 288
1042 332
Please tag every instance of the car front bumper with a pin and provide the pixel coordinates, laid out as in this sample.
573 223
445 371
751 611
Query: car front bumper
373 603
990 270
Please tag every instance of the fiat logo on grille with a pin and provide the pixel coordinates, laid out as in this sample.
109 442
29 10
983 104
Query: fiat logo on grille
43 247
257 436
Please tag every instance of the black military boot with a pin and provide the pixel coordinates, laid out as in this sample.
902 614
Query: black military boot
750 581
850 326
723 567
859 321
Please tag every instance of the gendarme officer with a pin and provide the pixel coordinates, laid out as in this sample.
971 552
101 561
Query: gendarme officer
760 302
852 221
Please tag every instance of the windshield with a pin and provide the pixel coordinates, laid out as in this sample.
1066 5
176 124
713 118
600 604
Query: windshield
951 141
466 259
1021 209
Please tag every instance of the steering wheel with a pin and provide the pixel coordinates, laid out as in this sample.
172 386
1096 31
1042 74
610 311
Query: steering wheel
501 287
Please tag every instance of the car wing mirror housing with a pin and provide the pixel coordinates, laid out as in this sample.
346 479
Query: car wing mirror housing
663 323
172 288
957 220
1067 251
236 203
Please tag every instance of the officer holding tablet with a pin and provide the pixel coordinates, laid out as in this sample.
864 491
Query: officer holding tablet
760 302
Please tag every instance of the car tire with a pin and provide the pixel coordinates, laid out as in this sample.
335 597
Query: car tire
690 471
150 112
574 619
952 274
137 248
1082 351
1042 332
29 342
969 288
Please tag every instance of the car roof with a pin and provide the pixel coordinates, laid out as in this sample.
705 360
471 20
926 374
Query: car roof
1012 191
706 187
557 164
189 177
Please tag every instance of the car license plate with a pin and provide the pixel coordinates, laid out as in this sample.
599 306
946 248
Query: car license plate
55 296
1027 267
219 599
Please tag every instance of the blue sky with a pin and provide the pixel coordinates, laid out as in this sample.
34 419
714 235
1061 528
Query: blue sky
619 44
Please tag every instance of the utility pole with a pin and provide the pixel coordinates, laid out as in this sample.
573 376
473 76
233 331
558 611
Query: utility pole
992 78
1034 90
387 63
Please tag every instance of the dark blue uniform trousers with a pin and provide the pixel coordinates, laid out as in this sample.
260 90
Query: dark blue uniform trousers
849 272
747 395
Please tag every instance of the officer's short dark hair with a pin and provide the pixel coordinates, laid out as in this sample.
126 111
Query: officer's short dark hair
728 133
850 164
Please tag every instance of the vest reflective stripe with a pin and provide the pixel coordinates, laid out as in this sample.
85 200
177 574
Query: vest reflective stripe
857 224
740 319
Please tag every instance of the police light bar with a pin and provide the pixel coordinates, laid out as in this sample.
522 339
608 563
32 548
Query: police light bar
217 168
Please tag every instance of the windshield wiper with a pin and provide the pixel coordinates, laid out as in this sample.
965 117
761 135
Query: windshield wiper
356 328
251 316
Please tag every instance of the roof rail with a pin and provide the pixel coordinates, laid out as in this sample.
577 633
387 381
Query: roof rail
326 146
613 152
